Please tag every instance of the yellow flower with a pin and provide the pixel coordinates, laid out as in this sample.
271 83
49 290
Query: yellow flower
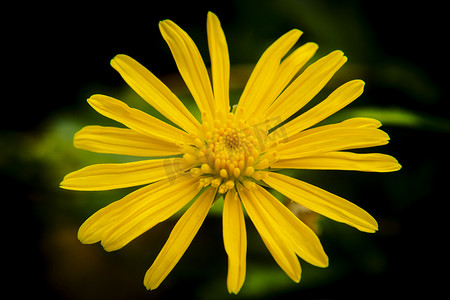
229 155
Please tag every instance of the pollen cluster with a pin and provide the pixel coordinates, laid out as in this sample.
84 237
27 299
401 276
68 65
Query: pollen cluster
226 152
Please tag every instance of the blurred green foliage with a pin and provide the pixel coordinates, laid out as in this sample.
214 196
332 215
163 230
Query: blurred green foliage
399 92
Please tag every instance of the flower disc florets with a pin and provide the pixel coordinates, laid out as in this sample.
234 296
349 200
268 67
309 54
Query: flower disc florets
227 151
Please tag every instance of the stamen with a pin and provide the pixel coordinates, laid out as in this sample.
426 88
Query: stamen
196 172
198 143
249 171
236 172
226 152
223 173
216 182
206 169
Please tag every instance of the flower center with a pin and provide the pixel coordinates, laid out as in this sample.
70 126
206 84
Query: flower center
227 151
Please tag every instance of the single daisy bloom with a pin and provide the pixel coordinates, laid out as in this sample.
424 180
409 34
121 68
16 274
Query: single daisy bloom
233 154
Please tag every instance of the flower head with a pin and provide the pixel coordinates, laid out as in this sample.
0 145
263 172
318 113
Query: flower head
230 155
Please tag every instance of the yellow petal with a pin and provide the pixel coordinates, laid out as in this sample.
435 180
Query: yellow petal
152 90
152 208
122 141
331 138
282 135
306 86
370 162
322 202
235 241
179 239
306 243
102 177
289 67
158 200
190 64
359 122
220 63
341 97
273 236
264 73
137 120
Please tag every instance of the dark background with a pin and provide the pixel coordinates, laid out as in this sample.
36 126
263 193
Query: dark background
54 56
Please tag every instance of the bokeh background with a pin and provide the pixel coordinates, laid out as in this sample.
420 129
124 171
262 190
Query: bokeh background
56 55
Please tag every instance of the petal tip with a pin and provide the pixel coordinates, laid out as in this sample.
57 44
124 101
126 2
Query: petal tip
297 278
296 32
165 23
148 284
110 247
322 260
211 15
312 45
116 60
151 281
372 228
234 290
359 82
